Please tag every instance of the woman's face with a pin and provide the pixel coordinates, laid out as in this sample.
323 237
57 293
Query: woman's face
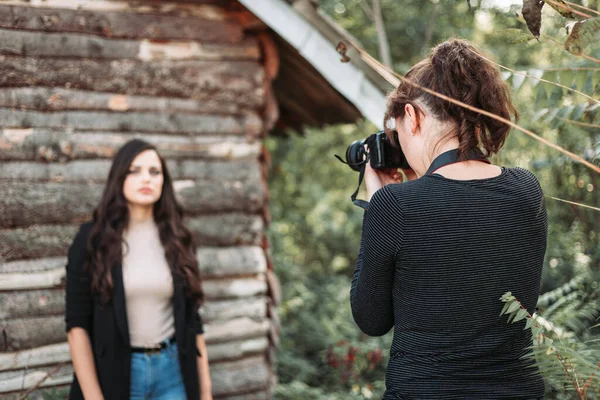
144 181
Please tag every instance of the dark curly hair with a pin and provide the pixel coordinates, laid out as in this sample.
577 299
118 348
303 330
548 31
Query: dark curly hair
455 69
111 217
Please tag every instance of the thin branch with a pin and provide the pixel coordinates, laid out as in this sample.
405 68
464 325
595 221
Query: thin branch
573 203
582 7
568 8
384 45
589 381
539 79
394 78
572 69
561 45
38 384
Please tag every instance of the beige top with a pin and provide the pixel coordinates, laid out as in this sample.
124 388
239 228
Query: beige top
148 286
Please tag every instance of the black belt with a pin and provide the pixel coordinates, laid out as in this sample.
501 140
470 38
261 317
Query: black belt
156 348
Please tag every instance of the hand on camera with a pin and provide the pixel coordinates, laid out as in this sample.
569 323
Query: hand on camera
376 179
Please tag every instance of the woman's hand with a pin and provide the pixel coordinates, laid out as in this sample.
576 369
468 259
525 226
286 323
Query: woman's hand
376 179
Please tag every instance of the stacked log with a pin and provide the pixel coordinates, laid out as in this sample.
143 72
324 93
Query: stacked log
75 84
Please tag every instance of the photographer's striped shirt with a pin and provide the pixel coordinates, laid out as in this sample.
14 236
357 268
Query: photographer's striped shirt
436 256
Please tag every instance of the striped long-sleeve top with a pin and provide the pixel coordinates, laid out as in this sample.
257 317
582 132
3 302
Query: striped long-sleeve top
436 255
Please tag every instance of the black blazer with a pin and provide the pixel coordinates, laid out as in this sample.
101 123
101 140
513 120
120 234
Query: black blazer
106 325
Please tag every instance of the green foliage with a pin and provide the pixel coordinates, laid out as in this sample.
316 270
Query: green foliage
316 230
568 363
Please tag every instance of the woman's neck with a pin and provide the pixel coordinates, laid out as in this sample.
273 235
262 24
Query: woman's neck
140 215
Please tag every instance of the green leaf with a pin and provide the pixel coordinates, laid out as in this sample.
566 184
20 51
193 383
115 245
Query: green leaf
520 315
581 79
528 323
506 305
517 81
536 73
532 12
578 111
514 306
556 96
583 34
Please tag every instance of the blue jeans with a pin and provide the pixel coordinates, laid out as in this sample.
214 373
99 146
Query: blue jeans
156 376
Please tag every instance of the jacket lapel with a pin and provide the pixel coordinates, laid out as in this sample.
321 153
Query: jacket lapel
179 311
120 307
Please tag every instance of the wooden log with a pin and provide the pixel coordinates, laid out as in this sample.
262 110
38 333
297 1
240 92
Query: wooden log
97 170
40 303
58 99
218 266
32 303
234 288
232 229
236 329
235 81
36 265
214 311
59 353
249 124
43 44
20 380
26 333
236 350
36 280
206 24
62 145
233 261
44 355
37 241
239 377
27 203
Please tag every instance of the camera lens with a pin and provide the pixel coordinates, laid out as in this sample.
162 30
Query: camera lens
355 155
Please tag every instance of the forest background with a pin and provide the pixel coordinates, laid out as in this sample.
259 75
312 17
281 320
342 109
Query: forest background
316 230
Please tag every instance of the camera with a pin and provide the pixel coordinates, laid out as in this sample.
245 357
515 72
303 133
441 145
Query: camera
382 153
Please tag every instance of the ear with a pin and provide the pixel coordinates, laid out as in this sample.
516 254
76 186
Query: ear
412 118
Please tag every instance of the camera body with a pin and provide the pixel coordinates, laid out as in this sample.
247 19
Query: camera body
382 153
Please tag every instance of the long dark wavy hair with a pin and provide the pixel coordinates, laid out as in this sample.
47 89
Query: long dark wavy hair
111 218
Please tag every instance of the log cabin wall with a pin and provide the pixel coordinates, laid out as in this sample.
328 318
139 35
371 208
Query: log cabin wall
78 81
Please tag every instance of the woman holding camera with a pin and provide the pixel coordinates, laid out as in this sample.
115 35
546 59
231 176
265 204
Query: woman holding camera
133 291
438 251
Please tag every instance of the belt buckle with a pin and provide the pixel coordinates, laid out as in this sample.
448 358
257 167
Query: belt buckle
155 349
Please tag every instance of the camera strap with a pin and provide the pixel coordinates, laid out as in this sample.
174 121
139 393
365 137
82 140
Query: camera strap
444 159
451 157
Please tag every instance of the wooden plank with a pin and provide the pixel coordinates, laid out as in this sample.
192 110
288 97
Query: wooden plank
33 303
36 265
97 170
248 124
34 280
209 24
231 229
234 288
255 307
221 262
236 329
26 333
59 353
27 203
211 9
20 380
239 377
239 82
43 44
44 355
59 99
40 303
62 145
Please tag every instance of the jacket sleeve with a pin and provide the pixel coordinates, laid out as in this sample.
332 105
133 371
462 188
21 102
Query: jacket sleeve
78 299
371 291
